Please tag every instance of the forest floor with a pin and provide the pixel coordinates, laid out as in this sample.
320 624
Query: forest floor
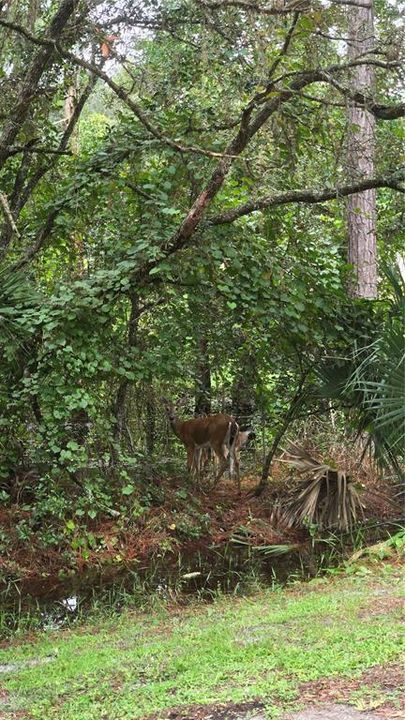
298 652
180 530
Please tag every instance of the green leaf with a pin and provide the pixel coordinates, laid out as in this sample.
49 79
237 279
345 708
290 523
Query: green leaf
128 489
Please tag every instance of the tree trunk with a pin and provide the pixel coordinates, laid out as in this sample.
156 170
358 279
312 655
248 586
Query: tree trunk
33 14
203 380
244 383
294 407
243 398
119 410
35 70
361 213
150 420
69 107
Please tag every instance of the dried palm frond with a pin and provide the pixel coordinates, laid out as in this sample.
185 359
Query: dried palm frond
244 539
325 497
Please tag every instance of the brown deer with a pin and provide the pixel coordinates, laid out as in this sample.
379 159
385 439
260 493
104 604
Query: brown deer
219 432
202 456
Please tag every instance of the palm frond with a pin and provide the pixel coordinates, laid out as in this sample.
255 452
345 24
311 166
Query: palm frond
326 497
18 297
369 382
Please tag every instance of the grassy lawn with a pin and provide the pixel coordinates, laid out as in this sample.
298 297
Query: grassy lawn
235 649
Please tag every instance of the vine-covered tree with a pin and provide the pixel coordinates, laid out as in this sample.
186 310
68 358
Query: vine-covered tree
174 177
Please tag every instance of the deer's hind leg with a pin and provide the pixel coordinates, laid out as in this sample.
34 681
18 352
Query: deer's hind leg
234 469
222 456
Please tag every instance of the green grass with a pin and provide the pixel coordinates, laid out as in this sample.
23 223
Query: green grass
231 650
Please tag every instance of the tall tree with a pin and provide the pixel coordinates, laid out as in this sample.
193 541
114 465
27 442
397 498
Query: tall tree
361 207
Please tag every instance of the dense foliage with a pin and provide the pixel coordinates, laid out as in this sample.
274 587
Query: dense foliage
173 177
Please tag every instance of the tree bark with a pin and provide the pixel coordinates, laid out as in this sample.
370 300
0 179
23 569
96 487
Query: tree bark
295 404
361 207
122 392
243 390
150 421
24 188
203 380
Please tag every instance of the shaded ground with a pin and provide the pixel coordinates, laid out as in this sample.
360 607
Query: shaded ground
255 711
185 523
332 712
381 689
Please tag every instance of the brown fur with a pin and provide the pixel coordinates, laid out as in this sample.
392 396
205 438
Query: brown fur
211 431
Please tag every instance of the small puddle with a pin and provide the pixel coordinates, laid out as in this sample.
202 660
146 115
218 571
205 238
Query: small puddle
24 664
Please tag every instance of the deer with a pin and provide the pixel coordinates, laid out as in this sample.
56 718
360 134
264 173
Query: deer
219 432
202 455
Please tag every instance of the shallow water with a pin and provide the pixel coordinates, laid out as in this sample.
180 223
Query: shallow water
57 602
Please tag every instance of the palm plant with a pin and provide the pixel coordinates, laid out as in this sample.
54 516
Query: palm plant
324 497
371 382
18 298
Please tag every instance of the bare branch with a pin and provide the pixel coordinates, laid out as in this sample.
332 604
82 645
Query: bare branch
380 111
47 228
117 89
17 149
276 8
21 192
353 3
135 107
286 45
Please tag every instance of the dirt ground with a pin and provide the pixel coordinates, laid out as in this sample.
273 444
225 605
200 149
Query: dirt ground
173 524
324 699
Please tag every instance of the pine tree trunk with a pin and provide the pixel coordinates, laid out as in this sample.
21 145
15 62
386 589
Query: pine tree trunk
361 213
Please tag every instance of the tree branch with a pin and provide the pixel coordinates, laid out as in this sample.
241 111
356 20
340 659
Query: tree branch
286 45
17 149
47 228
275 9
117 89
21 192
33 76
8 214
306 196
136 108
